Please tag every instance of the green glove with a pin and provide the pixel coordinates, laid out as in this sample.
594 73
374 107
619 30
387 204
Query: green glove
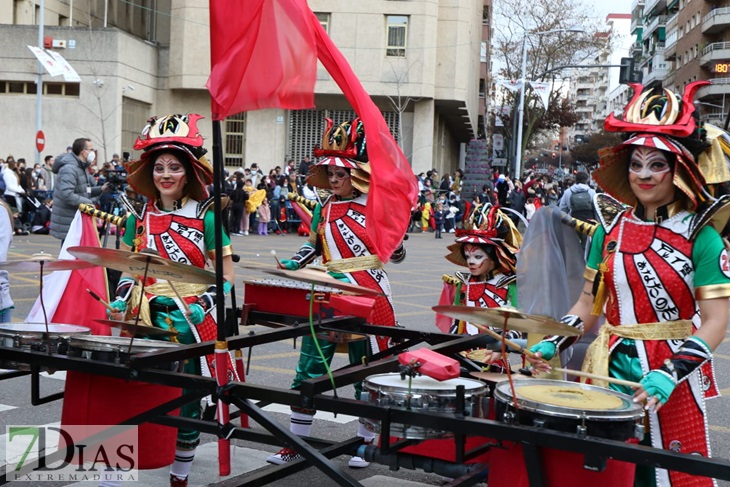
227 286
290 265
197 314
547 349
658 384
119 305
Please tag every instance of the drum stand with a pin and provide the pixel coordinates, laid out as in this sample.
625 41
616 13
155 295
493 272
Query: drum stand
250 398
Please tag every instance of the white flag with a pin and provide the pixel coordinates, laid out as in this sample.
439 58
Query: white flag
69 73
543 91
511 84
50 64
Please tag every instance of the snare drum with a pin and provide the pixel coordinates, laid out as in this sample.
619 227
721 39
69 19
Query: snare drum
571 407
30 337
269 296
426 394
116 349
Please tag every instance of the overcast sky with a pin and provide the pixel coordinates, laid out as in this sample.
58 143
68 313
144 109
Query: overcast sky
603 7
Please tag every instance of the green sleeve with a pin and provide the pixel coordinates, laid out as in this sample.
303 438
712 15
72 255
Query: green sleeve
708 257
129 230
316 216
595 256
512 294
209 231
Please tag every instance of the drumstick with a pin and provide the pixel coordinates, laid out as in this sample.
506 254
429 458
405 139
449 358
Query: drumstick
579 373
278 263
98 298
185 305
499 337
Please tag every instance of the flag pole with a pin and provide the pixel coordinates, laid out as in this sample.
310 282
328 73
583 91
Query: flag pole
221 346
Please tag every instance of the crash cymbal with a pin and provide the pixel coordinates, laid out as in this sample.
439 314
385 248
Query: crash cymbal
514 319
134 263
33 264
495 377
316 277
138 330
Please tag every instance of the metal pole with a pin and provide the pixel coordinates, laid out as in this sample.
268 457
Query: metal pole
39 83
523 81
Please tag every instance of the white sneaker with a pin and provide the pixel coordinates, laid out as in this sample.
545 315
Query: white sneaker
451 230
357 462
246 232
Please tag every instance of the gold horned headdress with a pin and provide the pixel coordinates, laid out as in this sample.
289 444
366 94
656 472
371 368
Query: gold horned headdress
488 225
342 146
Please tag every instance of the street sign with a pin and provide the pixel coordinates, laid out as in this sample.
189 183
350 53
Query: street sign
40 141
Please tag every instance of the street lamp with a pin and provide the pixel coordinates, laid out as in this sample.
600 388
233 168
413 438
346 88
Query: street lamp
518 150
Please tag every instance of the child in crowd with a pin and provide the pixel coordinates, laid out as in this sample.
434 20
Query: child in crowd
438 217
264 217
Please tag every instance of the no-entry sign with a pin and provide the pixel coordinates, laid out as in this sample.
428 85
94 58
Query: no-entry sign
40 141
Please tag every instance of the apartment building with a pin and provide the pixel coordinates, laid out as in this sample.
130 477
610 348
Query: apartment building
422 62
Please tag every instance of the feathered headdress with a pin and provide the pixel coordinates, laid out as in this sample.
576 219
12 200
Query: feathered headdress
488 225
342 146
177 134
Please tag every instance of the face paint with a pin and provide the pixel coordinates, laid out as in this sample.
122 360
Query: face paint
650 177
478 260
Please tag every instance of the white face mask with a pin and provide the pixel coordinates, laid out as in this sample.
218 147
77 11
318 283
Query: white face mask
91 157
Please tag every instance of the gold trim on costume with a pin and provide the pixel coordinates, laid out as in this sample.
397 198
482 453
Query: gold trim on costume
449 279
226 251
713 291
353 264
590 274
597 355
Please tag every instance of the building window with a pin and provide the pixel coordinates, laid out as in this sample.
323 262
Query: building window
235 140
485 15
135 114
397 29
324 20
30 88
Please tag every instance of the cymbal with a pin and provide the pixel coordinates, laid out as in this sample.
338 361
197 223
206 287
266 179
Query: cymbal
514 319
494 377
139 330
134 263
33 264
316 277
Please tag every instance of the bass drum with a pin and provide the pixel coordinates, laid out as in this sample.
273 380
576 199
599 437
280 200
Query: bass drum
424 394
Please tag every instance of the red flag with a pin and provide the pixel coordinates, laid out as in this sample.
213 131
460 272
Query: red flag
262 55
269 61
393 187
448 296
303 213
64 292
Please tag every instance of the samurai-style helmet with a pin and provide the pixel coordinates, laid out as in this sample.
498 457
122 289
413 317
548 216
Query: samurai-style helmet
662 120
488 225
177 134
342 146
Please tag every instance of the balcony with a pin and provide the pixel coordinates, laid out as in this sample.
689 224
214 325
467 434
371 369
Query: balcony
672 21
670 45
717 51
636 48
716 21
651 6
719 88
657 22
657 74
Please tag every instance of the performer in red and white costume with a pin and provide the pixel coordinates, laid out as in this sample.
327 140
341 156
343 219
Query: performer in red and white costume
338 235
178 224
664 271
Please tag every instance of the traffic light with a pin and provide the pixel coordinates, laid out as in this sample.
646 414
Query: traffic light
627 72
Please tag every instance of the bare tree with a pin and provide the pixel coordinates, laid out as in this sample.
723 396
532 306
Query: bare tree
518 21
400 69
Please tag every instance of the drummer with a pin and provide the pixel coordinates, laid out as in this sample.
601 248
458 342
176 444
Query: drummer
338 235
178 224
664 270
487 246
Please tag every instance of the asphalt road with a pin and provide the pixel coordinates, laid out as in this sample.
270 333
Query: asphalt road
416 285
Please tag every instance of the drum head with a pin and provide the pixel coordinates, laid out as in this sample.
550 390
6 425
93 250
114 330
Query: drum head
107 344
289 284
569 399
393 382
38 329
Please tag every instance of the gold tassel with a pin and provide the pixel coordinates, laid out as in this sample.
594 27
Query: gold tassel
600 296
